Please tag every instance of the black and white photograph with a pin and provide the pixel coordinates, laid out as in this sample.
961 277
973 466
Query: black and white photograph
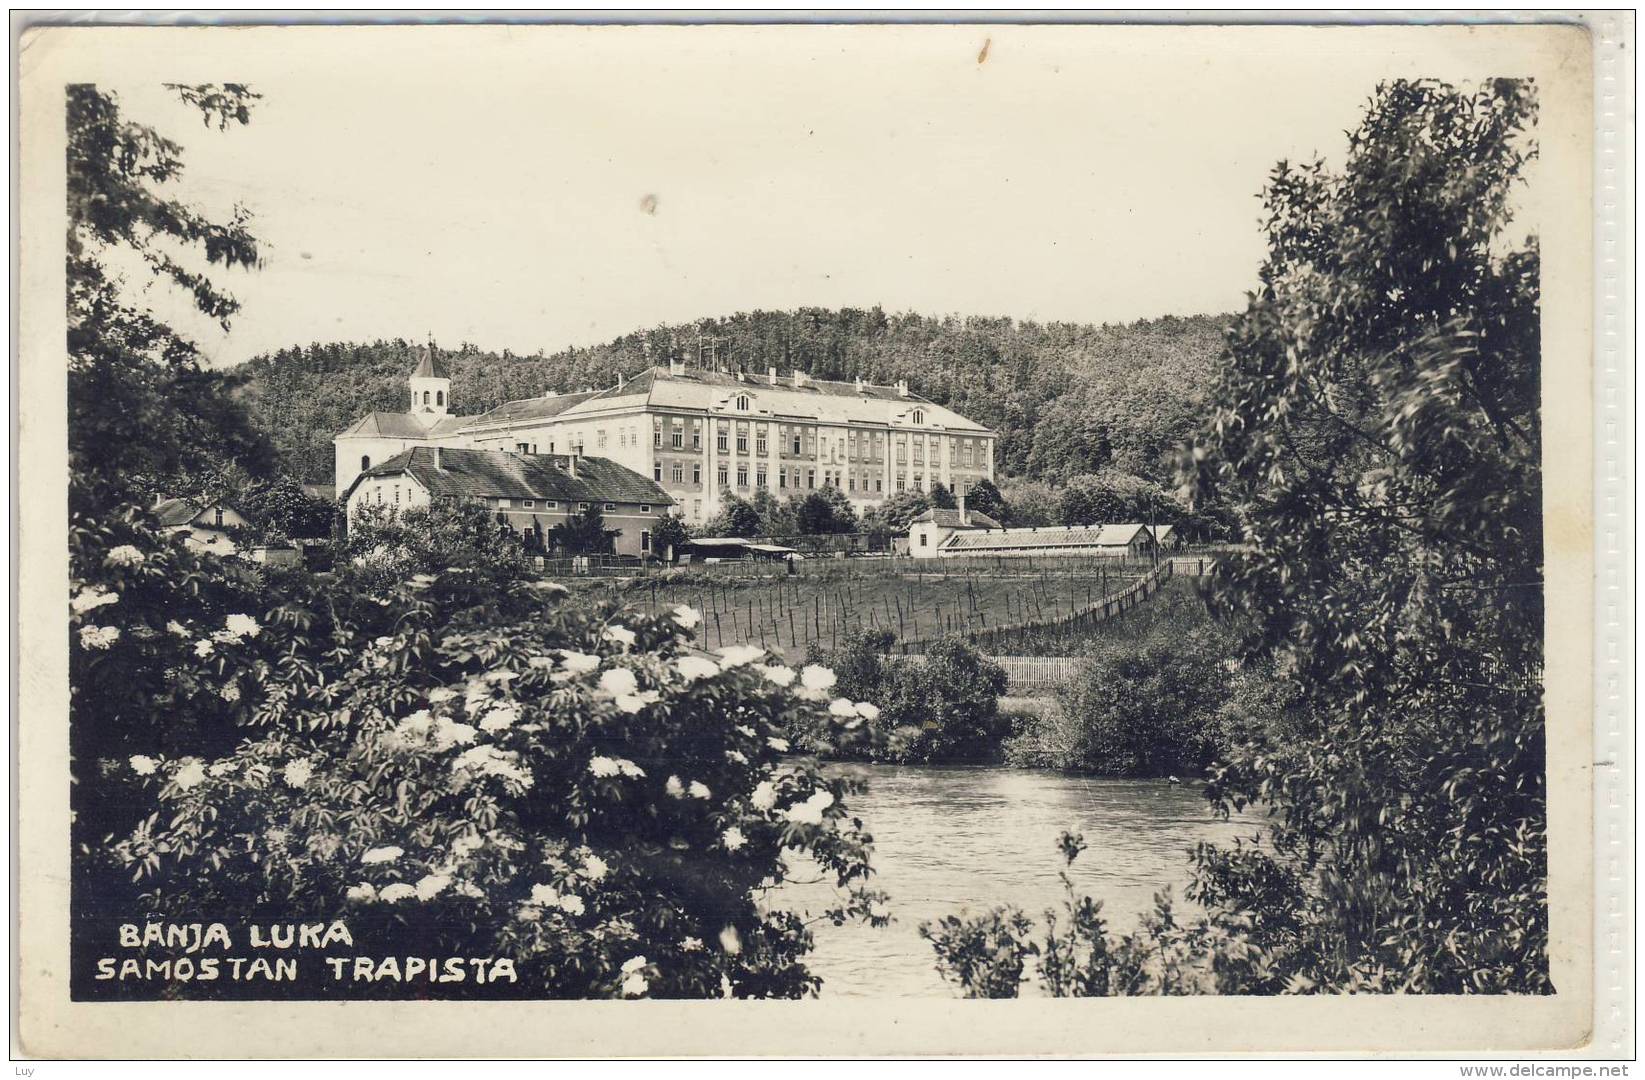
822 513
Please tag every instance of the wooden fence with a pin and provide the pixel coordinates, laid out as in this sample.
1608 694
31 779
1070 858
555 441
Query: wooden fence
999 639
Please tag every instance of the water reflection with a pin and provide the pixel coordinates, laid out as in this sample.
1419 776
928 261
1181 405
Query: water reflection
954 838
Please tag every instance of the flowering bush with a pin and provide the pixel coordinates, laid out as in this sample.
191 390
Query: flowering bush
455 768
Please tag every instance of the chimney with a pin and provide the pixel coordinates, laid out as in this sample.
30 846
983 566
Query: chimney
959 500
771 375
902 387
799 378
859 384
676 367
571 460
437 463
620 380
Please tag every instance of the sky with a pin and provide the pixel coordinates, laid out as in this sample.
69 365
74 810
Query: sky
539 191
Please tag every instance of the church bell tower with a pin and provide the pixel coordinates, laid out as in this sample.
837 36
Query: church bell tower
430 384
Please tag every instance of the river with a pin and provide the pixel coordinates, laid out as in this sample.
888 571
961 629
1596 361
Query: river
951 838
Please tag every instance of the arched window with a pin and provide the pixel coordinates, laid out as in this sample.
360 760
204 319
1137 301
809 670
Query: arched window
365 462
440 398
919 416
425 397
742 402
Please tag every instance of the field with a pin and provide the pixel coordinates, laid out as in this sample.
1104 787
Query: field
919 601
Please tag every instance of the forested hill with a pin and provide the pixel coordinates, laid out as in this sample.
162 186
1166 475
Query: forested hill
1066 398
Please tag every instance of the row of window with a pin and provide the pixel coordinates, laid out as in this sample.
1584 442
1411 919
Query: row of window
439 398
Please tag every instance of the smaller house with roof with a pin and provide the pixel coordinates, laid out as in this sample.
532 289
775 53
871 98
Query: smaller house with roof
204 524
927 532
1101 541
530 493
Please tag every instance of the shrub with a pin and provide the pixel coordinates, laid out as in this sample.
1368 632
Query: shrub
453 766
941 707
1150 700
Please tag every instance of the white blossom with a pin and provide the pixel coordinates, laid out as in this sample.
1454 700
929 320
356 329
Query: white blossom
745 731
448 733
546 895
733 838
690 944
629 769
691 668
635 985
594 867
777 744
176 628
298 773
363 891
781 674
92 597
868 710
190 774
203 648
764 796
731 941
687 617
698 790
440 694
579 663
397 892
431 885
733 656
633 964
737 756
674 787
603 766
229 692
241 626
842 707
633 703
98 637
620 635
222 768
384 854
619 681
817 677
571 905
540 663
499 719
466 845
124 555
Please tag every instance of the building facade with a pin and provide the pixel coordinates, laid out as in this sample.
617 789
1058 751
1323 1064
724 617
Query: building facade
530 493
697 432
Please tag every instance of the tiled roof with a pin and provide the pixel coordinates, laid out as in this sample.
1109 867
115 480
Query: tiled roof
955 519
177 511
531 408
826 400
1113 536
506 475
393 425
429 365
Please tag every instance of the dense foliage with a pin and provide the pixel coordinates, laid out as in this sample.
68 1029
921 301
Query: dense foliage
1066 399
142 408
1377 431
1161 694
941 707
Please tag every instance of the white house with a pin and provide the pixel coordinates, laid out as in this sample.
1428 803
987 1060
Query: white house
928 531
204 525
531 493
1103 541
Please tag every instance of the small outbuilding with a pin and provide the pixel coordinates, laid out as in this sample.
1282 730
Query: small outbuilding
204 524
1099 541
927 532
